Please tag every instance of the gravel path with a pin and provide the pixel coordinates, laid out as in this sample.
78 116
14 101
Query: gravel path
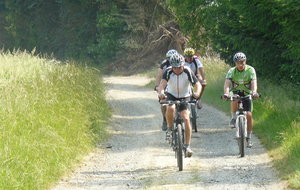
137 157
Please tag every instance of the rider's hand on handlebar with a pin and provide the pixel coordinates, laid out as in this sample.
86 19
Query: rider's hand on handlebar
255 95
196 96
225 97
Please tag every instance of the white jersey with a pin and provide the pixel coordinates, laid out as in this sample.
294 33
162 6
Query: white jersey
192 65
180 85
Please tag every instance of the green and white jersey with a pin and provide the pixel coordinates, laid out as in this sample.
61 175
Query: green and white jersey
241 80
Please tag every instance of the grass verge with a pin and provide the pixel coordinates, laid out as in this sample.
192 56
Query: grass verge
51 114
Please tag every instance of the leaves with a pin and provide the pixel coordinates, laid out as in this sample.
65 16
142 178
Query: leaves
267 31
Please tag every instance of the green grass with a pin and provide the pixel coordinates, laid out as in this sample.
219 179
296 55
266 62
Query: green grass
51 114
276 117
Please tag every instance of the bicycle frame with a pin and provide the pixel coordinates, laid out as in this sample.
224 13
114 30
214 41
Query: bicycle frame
178 133
241 123
241 115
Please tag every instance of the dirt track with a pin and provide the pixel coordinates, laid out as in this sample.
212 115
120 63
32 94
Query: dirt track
137 157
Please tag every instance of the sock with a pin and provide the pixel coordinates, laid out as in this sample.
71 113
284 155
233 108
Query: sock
186 145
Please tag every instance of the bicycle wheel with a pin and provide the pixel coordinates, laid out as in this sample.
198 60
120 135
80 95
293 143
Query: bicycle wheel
241 125
174 142
194 117
179 147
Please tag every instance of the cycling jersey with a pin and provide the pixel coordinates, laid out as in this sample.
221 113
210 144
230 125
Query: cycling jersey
179 85
194 65
241 80
164 64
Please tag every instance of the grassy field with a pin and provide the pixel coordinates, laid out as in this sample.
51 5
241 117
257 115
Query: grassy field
51 114
276 117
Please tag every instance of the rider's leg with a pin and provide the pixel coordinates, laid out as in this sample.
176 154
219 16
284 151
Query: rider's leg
199 103
249 124
248 106
170 112
234 107
163 112
249 129
185 114
170 121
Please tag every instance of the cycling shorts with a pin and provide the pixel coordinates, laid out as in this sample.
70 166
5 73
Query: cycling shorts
248 105
182 106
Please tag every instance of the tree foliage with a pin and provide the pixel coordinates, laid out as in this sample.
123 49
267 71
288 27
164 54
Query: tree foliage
64 28
101 30
267 31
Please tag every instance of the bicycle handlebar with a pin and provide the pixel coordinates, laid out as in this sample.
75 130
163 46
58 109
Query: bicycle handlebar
176 102
237 97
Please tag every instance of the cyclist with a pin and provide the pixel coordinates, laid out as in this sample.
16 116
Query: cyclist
192 61
176 85
241 80
164 64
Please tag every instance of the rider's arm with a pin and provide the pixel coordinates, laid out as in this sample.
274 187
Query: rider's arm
254 89
197 90
158 77
227 86
202 74
162 86
254 86
200 71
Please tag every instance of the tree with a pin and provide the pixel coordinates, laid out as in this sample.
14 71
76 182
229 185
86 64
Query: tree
267 31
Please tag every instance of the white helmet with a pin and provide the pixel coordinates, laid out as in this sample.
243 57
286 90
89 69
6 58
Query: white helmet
170 53
239 57
177 60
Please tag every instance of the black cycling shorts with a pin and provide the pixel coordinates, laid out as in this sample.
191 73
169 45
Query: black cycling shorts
182 106
247 105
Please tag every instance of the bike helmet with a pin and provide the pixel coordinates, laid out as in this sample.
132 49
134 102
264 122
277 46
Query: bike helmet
170 53
177 60
189 52
239 57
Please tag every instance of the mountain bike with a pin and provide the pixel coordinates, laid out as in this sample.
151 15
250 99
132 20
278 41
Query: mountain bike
177 140
241 121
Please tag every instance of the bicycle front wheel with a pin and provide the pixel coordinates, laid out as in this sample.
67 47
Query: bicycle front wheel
179 147
194 117
241 125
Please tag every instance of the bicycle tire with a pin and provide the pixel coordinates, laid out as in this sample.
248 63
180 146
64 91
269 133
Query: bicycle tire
241 123
194 117
179 148
174 142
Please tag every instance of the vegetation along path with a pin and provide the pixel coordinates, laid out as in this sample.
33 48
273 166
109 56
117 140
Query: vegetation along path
137 156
